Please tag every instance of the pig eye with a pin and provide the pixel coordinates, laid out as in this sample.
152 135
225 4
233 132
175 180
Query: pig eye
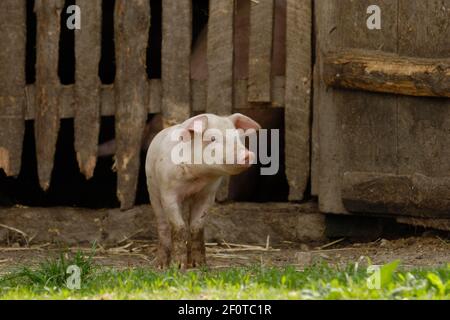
213 139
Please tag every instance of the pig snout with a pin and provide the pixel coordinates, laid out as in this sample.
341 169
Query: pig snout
246 157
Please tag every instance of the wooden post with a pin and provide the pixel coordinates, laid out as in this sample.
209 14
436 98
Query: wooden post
176 54
260 60
87 85
132 25
46 122
12 84
298 91
328 181
220 65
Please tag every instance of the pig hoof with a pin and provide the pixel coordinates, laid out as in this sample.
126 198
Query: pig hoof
180 262
198 259
163 264
181 265
163 258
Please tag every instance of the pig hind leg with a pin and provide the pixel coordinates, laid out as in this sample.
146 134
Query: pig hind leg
164 235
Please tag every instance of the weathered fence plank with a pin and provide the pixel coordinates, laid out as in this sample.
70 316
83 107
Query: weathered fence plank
176 53
12 84
388 73
87 85
46 122
220 65
317 90
424 123
155 96
220 57
298 91
260 56
240 94
329 149
198 91
132 25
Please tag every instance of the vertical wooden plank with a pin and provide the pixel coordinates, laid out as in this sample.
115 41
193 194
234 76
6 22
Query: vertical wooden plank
220 65
241 38
358 129
12 84
329 165
176 53
329 148
261 36
240 94
368 120
132 25
198 95
46 122
155 96
315 132
298 90
220 57
87 85
424 123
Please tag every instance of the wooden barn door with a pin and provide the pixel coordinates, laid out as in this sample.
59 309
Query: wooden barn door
383 152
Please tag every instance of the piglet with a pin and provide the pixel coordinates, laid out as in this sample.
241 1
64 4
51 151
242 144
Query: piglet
183 181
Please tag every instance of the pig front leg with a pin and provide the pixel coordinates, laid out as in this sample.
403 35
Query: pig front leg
179 233
198 212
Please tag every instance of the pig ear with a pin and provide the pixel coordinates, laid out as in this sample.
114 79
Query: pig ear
196 124
243 122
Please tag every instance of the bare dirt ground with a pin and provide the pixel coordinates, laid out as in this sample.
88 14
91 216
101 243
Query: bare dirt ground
421 251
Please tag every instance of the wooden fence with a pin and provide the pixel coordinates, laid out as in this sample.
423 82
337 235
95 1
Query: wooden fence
133 96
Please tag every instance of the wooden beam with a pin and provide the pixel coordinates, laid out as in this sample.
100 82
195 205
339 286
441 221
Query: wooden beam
107 97
12 84
47 122
410 195
232 222
132 25
87 86
390 73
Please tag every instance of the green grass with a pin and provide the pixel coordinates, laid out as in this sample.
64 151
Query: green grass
319 281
